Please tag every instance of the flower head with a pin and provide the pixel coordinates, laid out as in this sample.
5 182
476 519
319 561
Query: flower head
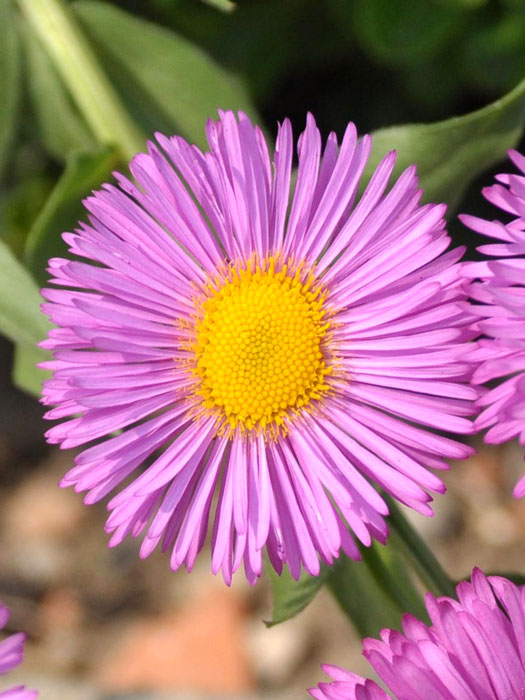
501 296
11 655
474 649
283 352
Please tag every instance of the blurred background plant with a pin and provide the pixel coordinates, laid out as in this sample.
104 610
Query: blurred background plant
83 85
79 100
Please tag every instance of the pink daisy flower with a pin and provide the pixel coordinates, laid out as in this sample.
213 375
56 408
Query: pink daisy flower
501 297
11 655
286 353
473 650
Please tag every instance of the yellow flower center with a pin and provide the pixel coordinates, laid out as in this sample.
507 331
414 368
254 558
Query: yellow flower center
259 348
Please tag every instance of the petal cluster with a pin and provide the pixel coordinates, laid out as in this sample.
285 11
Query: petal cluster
474 649
378 369
500 296
11 655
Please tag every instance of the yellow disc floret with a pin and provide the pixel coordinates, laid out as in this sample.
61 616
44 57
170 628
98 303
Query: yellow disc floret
259 349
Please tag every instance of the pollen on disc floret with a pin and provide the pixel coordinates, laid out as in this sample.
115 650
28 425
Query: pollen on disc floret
260 347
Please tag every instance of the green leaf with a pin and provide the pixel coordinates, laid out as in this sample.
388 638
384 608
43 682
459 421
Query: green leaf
391 574
26 374
290 596
62 128
362 599
166 82
222 5
374 593
9 78
451 153
20 316
62 211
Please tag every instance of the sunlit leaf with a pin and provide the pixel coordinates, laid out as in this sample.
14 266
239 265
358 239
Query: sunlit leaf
449 154
62 129
222 5
166 82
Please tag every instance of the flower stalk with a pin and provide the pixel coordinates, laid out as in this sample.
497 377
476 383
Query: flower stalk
73 57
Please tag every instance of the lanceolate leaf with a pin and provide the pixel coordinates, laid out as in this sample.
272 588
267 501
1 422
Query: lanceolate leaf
62 129
449 154
20 316
393 578
166 82
362 600
84 172
290 596
9 77
373 593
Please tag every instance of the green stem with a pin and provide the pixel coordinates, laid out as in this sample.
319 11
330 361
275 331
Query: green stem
55 25
417 551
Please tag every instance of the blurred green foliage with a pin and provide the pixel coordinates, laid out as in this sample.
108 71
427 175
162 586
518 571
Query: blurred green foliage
377 62
172 63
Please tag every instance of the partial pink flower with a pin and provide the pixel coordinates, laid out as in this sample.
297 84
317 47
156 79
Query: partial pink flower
500 294
11 655
474 649
257 357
